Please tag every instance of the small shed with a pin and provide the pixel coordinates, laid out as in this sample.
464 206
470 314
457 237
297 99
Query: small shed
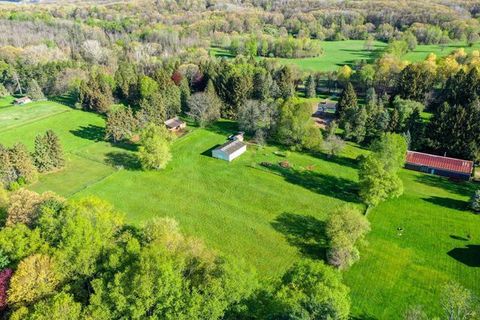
441 166
175 124
22 101
229 150
327 106
237 136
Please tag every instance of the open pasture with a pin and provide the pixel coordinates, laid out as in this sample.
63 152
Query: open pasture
270 217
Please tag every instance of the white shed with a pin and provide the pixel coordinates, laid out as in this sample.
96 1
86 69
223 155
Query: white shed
229 150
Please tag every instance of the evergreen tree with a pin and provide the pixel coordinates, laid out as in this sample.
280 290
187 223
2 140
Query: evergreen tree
121 124
8 175
34 91
184 94
348 100
475 201
284 79
25 170
55 149
416 128
96 93
310 87
41 155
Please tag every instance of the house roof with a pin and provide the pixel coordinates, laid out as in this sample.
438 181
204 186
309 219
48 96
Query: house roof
439 162
230 147
173 123
22 99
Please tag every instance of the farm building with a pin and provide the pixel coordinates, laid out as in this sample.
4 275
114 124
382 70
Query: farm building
229 150
21 101
442 166
175 124
327 106
237 136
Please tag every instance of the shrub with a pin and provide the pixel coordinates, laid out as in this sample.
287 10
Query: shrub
475 201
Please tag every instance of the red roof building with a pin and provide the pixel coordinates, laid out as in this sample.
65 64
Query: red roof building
443 166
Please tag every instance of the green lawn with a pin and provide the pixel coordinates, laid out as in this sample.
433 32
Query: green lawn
339 53
422 51
269 217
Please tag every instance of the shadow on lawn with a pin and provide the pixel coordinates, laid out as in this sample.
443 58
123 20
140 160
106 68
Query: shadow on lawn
340 160
461 188
208 153
90 132
305 232
469 255
126 160
331 186
448 203
223 127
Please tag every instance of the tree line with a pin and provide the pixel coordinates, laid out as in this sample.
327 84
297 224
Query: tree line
19 167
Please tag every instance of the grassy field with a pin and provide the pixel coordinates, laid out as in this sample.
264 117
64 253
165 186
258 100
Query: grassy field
269 218
339 53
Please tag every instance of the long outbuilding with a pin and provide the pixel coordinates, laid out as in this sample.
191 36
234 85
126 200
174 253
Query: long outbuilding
439 165
229 150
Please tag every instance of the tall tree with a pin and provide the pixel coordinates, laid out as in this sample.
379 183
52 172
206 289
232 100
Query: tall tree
154 152
25 170
310 87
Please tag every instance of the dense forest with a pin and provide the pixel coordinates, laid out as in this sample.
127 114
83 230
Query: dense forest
141 63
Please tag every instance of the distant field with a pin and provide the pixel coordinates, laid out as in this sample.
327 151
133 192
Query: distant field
422 51
339 53
270 218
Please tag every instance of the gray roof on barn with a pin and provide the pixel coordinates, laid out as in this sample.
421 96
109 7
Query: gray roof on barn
230 147
173 123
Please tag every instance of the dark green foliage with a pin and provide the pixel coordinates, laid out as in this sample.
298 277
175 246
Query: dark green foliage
475 201
310 87
34 91
22 164
48 153
416 128
415 81
455 130
96 93
121 125
347 101
284 79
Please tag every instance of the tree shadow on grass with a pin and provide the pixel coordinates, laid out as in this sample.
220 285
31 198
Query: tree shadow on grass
363 317
340 160
304 232
458 238
331 186
469 255
448 203
223 127
462 188
90 132
208 153
125 160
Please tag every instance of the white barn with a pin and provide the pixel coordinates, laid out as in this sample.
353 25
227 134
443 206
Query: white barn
229 150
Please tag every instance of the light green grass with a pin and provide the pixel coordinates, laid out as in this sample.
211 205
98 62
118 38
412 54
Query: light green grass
6 101
422 51
270 218
339 53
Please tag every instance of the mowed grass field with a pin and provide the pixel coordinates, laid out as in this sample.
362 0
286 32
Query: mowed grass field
269 218
339 53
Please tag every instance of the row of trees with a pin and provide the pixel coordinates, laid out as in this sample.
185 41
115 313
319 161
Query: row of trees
18 166
77 259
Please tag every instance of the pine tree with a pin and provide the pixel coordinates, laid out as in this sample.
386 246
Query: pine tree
475 201
416 128
41 157
310 87
22 164
55 150
348 100
7 171
34 91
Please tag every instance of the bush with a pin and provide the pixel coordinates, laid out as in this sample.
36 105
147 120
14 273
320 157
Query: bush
475 201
